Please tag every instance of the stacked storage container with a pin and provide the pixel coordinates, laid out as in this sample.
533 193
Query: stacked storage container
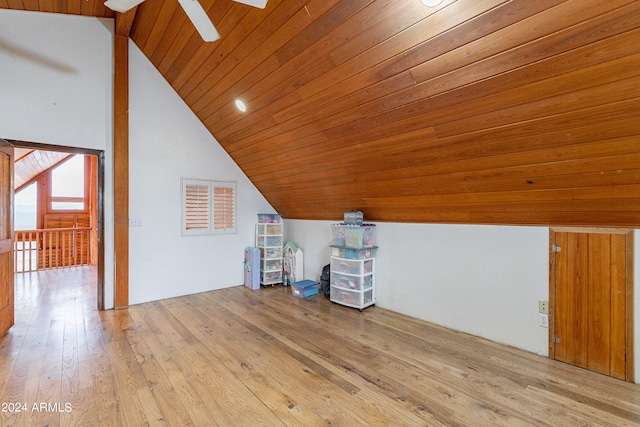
353 263
269 240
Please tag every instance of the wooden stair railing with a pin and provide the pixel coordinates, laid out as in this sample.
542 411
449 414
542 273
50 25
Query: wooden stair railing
51 248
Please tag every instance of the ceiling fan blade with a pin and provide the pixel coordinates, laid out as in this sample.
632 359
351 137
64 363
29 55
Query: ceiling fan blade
255 3
122 6
200 20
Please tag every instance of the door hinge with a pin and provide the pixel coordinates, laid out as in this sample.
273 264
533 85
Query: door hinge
555 340
556 249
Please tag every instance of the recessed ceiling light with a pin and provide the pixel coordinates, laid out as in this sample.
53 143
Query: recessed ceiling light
241 105
431 3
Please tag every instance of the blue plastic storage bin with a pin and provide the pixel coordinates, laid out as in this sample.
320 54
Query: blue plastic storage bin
304 288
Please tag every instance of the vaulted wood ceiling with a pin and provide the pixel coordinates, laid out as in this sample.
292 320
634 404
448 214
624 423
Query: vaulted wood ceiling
477 111
29 164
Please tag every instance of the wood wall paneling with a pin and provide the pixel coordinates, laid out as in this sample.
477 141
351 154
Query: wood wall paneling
492 111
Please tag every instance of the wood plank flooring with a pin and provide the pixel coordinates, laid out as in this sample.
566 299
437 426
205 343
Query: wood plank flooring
234 357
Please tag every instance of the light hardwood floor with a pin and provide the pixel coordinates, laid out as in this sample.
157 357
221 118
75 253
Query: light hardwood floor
234 357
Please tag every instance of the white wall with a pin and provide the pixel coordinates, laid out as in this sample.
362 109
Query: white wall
168 142
56 85
636 310
484 280
56 88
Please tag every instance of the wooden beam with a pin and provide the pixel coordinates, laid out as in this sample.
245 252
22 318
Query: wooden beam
121 169
124 21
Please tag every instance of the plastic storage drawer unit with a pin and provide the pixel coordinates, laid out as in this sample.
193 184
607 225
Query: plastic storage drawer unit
352 281
269 239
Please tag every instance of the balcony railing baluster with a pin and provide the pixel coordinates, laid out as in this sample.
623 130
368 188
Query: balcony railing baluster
51 248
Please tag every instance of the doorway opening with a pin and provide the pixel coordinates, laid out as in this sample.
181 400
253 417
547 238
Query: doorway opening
58 215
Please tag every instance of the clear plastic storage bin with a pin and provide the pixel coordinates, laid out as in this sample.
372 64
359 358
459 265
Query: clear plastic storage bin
349 266
351 282
269 229
344 252
359 236
338 231
272 264
271 252
304 288
352 298
269 218
269 241
269 277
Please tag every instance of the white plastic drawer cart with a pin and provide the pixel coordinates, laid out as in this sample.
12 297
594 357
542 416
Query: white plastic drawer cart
353 265
353 282
269 240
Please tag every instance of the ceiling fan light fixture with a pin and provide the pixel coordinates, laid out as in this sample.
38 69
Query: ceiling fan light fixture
261 4
431 3
241 105
200 20
122 6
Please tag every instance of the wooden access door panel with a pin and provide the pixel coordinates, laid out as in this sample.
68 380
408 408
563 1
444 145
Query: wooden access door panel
590 285
6 237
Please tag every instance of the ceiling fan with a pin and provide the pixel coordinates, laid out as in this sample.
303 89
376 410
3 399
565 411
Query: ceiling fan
194 11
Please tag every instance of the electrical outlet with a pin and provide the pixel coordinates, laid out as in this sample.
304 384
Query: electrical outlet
543 307
543 320
135 222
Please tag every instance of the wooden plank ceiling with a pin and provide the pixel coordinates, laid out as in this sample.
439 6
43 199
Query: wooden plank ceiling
477 111
30 165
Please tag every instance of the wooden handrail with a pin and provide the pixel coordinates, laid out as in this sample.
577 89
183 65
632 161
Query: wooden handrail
51 248
54 229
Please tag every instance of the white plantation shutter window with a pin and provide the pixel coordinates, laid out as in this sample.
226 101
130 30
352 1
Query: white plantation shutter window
208 207
224 207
